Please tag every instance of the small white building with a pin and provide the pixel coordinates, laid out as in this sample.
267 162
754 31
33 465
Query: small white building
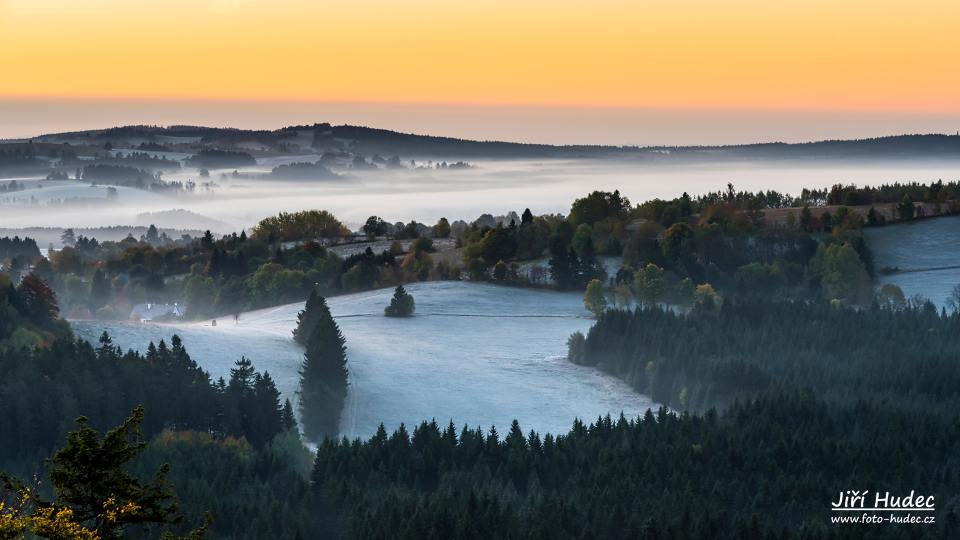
149 312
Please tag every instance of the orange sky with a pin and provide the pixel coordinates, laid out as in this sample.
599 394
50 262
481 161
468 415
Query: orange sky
861 55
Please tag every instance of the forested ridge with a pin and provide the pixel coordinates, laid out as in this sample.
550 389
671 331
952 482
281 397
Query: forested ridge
389 142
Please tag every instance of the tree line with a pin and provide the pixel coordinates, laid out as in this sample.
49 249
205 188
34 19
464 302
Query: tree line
705 358
720 239
765 468
213 276
18 247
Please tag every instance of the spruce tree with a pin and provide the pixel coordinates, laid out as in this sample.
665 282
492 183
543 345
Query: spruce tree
288 420
526 218
267 421
589 267
88 477
307 319
563 263
323 376
100 290
401 305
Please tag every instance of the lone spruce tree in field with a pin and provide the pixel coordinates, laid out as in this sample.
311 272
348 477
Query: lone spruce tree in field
308 318
401 305
323 374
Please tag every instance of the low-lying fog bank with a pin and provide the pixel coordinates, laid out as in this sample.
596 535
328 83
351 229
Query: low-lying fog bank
495 187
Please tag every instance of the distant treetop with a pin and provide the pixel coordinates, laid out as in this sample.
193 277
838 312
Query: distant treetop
304 225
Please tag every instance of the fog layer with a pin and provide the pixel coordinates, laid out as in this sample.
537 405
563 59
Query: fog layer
233 201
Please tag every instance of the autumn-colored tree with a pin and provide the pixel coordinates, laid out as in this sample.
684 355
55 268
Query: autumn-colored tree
594 298
442 228
705 298
305 225
841 273
39 299
677 241
20 515
649 284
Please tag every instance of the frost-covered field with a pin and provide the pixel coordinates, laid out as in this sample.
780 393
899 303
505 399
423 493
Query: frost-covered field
476 354
920 245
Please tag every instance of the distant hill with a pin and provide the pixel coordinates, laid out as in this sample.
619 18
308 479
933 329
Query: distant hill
319 138
181 219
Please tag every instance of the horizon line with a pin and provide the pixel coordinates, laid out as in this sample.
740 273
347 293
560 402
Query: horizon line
487 141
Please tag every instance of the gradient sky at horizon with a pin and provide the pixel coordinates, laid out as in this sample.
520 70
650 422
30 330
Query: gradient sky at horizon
833 68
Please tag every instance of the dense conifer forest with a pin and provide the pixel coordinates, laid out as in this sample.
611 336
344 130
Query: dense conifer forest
704 358
764 468
11 248
234 447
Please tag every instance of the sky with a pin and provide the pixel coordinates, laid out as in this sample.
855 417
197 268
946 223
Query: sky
605 71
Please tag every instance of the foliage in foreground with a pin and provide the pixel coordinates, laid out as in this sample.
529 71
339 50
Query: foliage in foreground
95 497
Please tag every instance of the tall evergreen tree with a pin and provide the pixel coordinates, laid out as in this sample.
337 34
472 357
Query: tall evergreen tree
323 377
308 318
99 289
289 421
267 421
563 263
526 218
